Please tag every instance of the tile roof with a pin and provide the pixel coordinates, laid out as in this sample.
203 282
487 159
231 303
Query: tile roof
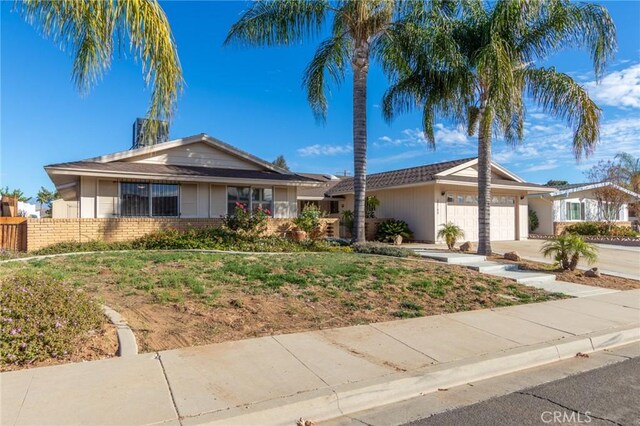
408 176
175 170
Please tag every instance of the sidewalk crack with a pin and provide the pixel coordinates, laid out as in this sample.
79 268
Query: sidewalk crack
166 379
403 343
569 408
23 400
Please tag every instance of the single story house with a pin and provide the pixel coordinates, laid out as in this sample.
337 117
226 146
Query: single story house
428 196
194 177
317 195
569 204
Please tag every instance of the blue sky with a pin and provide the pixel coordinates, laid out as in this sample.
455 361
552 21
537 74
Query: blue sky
252 98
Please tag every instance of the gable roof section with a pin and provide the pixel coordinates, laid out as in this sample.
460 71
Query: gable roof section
424 174
167 171
317 193
203 137
564 190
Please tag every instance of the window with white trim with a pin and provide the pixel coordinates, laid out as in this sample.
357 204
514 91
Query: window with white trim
575 211
252 198
148 199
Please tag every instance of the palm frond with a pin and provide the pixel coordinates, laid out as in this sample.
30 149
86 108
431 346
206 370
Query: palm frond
279 22
91 29
331 58
563 97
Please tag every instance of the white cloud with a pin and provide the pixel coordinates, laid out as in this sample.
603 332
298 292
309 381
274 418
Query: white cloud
330 150
546 165
415 137
618 89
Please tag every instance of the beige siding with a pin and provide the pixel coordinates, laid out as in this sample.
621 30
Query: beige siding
88 197
203 200
544 210
188 200
61 209
218 200
107 198
197 154
285 202
413 205
523 218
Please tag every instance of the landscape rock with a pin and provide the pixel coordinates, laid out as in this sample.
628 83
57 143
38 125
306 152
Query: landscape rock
466 247
513 255
397 240
592 273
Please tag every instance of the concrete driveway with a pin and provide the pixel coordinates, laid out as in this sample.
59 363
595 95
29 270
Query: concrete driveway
621 261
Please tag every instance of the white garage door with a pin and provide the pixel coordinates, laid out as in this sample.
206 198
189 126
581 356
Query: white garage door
463 211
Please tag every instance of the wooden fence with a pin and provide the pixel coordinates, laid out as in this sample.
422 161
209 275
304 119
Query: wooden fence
13 233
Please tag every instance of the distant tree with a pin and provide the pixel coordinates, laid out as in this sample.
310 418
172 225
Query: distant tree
630 170
556 183
45 198
14 193
281 162
610 199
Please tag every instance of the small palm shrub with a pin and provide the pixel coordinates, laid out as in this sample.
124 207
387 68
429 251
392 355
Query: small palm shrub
450 232
388 230
43 318
370 206
568 249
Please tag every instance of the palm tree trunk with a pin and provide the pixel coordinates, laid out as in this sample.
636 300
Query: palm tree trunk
360 64
484 183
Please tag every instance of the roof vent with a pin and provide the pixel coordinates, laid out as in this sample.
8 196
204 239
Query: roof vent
142 137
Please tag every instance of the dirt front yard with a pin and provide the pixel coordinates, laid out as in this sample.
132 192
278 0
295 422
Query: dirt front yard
174 300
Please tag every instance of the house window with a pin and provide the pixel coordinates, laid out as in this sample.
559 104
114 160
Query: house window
134 199
575 211
261 198
334 207
145 199
164 199
252 198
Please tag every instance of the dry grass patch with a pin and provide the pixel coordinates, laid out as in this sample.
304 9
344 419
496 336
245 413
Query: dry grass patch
182 299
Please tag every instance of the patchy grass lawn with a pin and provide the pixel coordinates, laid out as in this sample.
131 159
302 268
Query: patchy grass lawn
181 299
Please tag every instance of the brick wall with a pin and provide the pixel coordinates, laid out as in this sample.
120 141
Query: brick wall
559 227
44 232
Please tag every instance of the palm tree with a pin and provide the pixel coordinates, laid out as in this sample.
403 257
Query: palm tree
567 249
450 232
486 64
92 30
360 30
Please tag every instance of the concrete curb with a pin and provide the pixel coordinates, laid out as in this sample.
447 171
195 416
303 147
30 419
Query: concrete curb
326 404
127 344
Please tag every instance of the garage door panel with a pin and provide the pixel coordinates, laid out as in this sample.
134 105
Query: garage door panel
503 223
466 217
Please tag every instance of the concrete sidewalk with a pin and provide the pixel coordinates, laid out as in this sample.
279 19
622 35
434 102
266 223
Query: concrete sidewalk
317 375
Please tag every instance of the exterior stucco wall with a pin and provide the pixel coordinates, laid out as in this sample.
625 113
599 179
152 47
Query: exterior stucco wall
544 210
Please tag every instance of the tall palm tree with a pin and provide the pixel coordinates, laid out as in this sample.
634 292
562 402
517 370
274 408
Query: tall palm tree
361 30
92 30
491 67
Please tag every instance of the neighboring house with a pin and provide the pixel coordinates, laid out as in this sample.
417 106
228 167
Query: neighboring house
428 196
568 204
28 210
316 195
194 177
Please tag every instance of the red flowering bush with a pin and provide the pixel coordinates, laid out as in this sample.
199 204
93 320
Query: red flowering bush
246 223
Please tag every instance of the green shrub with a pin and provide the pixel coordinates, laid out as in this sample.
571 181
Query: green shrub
370 206
73 247
309 220
600 229
382 249
43 318
534 222
246 223
388 230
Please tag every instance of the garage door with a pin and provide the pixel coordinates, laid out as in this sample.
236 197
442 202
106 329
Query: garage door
503 223
463 211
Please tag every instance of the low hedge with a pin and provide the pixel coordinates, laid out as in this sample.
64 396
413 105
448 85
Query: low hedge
600 229
200 239
382 249
43 318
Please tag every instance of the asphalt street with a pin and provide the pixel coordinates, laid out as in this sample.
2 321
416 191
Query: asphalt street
605 396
